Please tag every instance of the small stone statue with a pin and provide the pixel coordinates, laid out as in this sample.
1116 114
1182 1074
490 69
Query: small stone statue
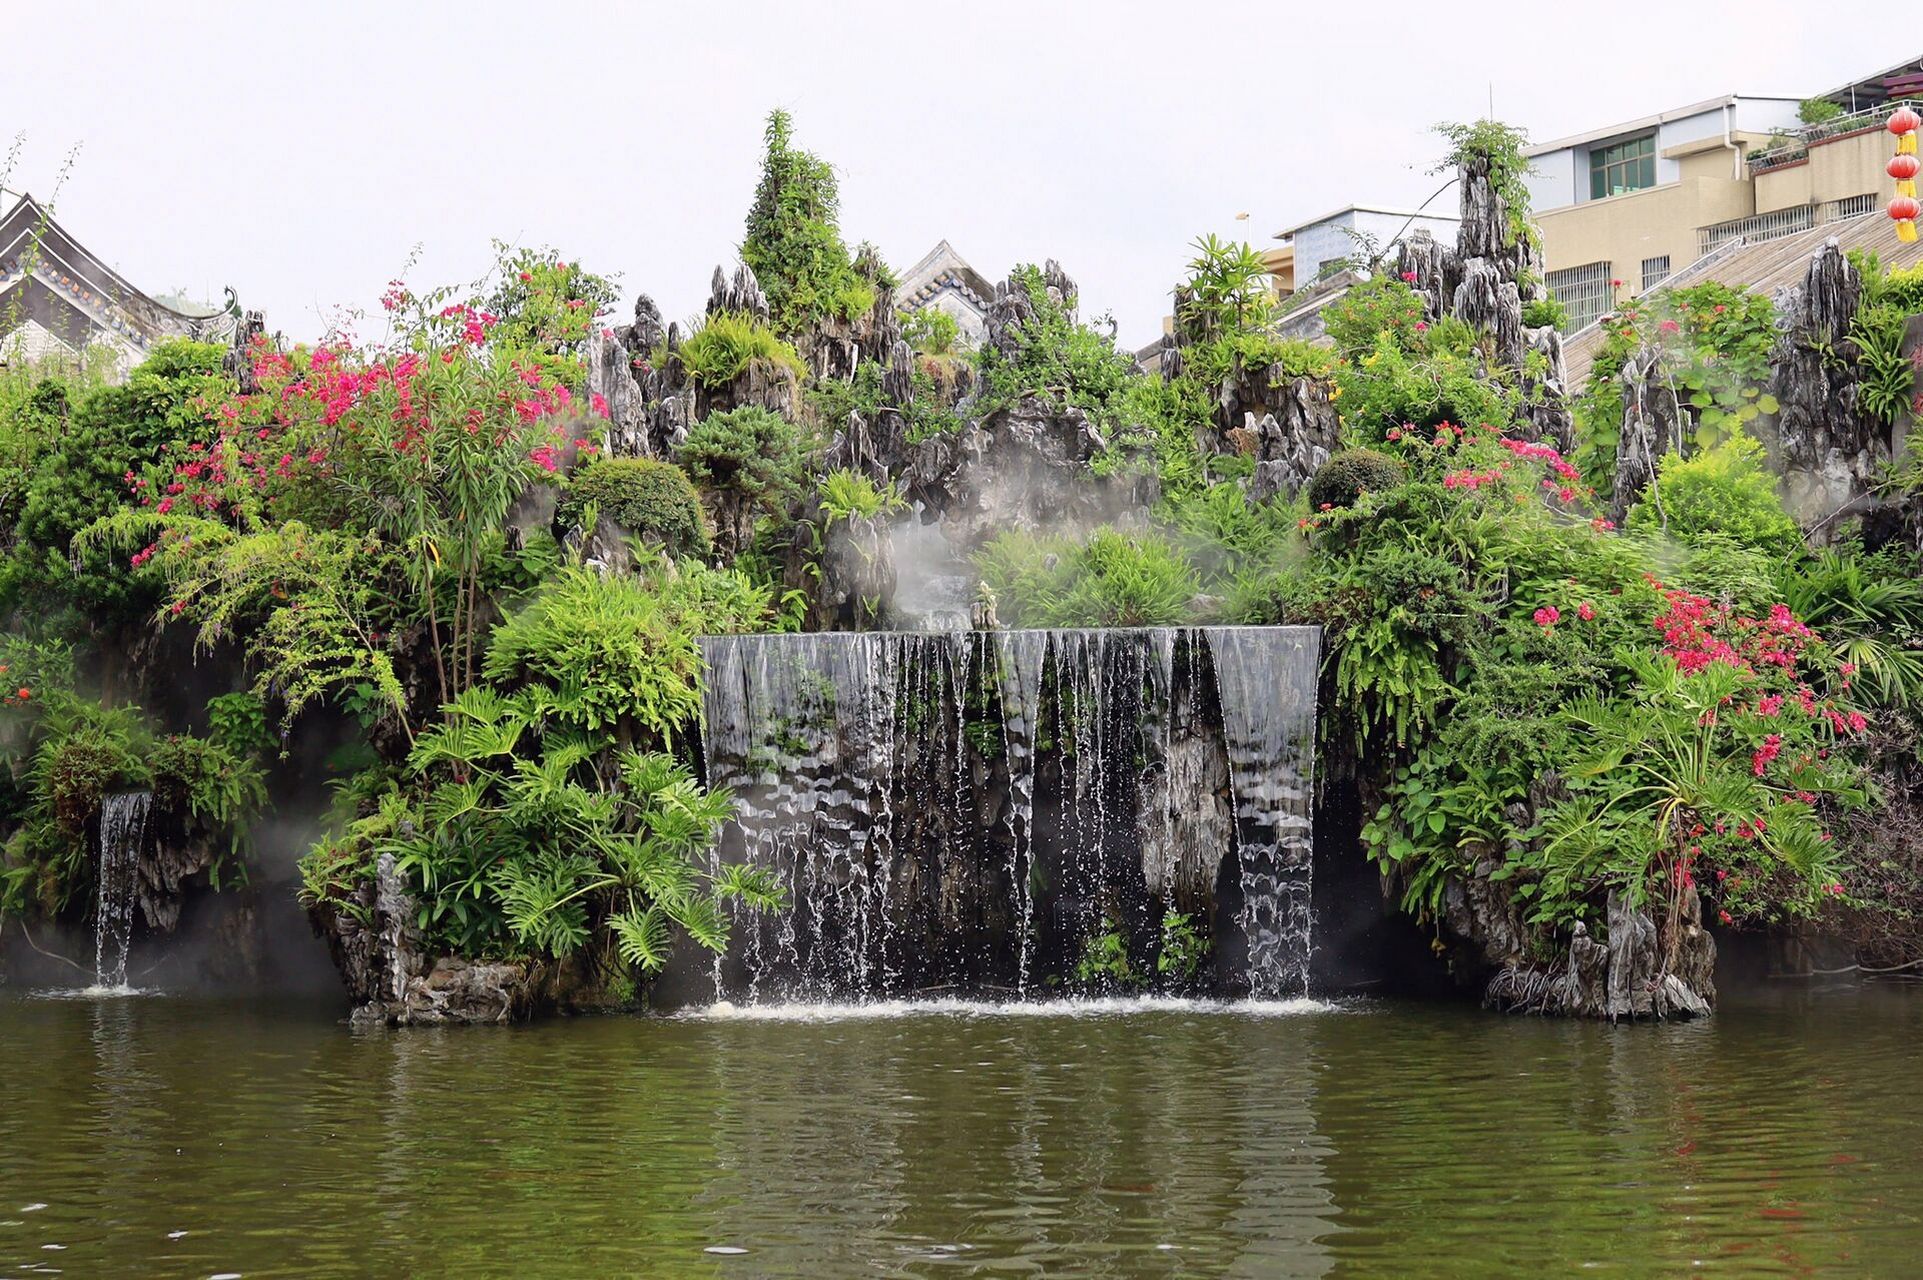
981 617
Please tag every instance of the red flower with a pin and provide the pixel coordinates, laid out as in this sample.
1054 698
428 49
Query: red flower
1548 616
1408 277
1724 916
1669 326
1586 611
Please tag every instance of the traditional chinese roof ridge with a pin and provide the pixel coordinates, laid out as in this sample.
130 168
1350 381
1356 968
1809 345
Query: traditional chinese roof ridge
71 292
941 267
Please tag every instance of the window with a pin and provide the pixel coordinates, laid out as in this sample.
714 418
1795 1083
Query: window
1585 293
1622 167
1654 272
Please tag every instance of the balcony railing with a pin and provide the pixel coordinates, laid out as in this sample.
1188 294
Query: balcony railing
1796 146
1778 223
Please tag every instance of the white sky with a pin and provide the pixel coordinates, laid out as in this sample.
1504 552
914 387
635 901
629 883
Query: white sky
299 152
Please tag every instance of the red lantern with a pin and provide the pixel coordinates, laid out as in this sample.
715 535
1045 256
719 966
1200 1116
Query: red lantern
1903 167
1905 209
1904 121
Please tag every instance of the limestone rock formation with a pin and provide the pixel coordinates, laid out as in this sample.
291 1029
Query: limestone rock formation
852 582
1635 972
835 348
1026 466
1831 451
1653 420
1292 440
1486 281
651 399
394 982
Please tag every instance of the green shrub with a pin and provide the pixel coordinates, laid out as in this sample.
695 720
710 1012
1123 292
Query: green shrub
726 344
1229 289
1055 356
750 462
651 499
1817 110
217 787
1351 473
81 477
850 495
926 412
519 843
1356 320
1112 579
793 243
1391 387
1544 313
1722 490
931 332
599 652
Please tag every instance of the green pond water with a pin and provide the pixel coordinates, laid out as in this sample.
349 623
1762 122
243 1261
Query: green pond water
163 1136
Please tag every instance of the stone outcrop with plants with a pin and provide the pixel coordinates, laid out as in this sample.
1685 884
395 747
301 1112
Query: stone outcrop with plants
1607 703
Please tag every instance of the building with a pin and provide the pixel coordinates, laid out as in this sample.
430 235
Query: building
58 300
1762 266
1326 244
1623 206
944 281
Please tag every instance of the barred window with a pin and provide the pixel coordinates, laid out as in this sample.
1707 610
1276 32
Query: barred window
1655 271
1622 167
1585 292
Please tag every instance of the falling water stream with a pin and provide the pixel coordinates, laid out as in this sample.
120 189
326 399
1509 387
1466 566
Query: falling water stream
123 834
967 810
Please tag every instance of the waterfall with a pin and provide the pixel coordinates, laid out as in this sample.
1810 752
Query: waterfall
1271 751
123 836
968 810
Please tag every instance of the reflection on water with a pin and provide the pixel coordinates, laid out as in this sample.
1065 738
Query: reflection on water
166 1136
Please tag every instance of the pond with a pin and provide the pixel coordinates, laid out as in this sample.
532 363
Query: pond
175 1136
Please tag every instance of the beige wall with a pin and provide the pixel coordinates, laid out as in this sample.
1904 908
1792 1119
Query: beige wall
1624 230
1836 170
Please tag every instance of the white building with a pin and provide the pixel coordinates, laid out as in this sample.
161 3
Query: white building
943 281
58 300
1359 230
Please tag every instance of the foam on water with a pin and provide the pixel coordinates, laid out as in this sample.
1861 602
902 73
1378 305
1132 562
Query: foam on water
958 1007
97 991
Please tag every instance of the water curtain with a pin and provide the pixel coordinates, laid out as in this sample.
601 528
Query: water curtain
967 810
123 836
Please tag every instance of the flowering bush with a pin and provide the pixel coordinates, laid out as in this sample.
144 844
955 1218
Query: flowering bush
348 497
